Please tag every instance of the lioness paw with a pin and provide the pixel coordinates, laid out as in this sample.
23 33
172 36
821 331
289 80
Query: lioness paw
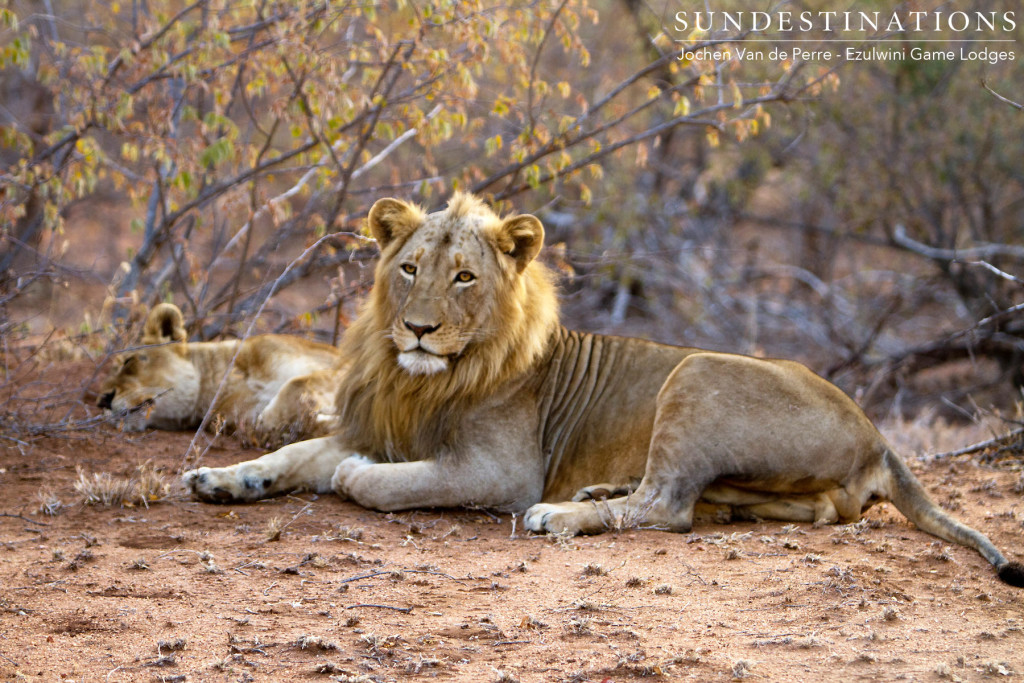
347 470
226 484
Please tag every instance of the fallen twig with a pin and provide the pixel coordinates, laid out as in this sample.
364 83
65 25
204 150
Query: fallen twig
362 576
404 610
23 518
981 445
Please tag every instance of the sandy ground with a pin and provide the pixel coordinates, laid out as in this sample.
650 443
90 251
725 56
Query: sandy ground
308 587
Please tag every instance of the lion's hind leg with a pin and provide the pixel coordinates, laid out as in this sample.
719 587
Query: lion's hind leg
645 507
817 509
823 507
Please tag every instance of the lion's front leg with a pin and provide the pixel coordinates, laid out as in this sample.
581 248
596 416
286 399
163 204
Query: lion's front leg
303 465
429 483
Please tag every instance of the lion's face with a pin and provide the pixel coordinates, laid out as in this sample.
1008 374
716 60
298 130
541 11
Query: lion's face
155 385
442 288
445 275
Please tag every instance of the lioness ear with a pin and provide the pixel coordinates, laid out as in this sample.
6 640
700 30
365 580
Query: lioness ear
164 324
521 237
392 218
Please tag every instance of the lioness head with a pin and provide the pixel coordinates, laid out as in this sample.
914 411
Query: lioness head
156 384
459 306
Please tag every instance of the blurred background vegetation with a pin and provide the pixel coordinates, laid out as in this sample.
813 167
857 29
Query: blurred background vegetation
865 218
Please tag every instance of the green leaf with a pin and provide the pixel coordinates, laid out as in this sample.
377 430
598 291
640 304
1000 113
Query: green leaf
220 151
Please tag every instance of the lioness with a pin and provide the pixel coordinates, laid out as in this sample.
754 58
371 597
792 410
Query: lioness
278 384
465 390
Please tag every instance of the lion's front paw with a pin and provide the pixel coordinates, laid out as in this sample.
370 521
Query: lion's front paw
346 473
226 484
551 518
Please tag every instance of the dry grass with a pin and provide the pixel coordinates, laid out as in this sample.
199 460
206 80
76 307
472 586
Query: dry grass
49 503
275 526
151 483
345 533
579 626
147 485
741 669
503 676
308 642
208 563
104 489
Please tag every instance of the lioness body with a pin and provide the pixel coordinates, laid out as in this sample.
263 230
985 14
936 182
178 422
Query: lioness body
276 383
465 390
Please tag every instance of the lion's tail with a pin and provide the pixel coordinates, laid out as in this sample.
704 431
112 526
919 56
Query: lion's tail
910 498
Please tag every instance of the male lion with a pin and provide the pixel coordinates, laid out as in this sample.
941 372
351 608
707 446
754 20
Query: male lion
278 384
465 390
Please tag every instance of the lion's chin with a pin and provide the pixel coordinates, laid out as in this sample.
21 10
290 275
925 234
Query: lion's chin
422 363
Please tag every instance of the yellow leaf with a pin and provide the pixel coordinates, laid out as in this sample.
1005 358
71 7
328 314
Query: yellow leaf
682 107
586 194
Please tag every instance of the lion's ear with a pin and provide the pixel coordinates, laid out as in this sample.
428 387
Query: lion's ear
390 219
521 237
164 324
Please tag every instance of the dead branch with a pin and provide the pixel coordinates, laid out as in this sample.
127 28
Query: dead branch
23 518
982 445
980 339
1018 107
978 252
405 610
999 273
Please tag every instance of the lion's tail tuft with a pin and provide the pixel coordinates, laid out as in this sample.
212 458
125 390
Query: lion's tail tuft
1012 573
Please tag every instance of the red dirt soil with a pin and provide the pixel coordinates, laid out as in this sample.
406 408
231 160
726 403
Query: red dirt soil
185 591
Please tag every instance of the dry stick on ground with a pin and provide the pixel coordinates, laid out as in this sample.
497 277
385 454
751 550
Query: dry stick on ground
981 445
406 610
23 518
404 571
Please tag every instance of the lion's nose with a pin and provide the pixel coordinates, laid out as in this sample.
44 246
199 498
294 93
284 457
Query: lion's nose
106 400
420 330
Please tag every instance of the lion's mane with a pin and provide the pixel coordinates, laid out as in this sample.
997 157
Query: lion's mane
386 410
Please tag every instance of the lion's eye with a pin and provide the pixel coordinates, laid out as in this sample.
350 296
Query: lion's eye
408 269
465 276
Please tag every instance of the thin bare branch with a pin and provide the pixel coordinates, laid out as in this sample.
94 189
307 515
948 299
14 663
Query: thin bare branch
978 252
1015 105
